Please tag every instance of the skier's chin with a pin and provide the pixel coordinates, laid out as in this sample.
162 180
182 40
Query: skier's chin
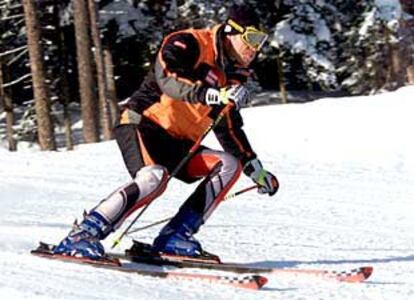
244 60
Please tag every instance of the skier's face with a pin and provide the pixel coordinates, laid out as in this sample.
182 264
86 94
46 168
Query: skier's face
241 52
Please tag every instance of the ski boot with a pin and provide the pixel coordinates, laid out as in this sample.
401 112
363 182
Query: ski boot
84 239
176 239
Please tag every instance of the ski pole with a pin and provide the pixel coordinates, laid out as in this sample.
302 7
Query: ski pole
177 169
231 196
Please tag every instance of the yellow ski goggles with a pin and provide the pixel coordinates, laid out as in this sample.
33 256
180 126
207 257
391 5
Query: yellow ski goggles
250 35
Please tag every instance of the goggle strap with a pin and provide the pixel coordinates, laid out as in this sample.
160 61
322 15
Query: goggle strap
236 26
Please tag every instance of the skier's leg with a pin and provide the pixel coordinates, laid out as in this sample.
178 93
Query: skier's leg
148 183
83 239
221 170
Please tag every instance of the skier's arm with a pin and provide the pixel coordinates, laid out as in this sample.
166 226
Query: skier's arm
232 137
175 68
233 140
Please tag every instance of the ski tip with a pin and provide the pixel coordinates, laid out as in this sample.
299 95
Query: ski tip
367 271
356 275
260 280
252 282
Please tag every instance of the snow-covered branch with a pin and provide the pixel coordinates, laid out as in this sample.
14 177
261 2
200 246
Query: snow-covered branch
13 51
4 4
12 61
9 84
12 17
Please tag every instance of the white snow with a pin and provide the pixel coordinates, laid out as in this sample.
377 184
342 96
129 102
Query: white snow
346 168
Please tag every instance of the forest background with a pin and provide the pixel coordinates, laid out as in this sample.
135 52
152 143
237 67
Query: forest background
60 60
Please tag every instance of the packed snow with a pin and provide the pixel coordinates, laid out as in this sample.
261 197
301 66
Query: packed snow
346 168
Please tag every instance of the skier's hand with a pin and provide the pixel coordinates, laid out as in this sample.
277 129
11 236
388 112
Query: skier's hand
237 94
268 183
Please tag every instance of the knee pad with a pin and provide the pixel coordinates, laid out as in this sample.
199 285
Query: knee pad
150 179
148 184
230 164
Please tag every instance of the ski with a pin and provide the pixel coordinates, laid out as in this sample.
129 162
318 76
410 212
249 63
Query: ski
254 282
141 253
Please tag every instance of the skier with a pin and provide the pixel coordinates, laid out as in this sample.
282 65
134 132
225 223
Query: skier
195 75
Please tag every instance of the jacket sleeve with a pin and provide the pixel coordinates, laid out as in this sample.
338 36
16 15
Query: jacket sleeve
174 68
232 137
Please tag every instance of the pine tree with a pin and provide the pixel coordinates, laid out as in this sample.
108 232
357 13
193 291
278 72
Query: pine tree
85 72
105 116
407 37
113 101
42 105
13 52
306 34
63 89
6 103
369 51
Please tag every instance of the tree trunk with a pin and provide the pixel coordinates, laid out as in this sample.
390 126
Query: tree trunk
40 90
86 82
282 86
407 32
390 81
113 101
6 103
410 74
64 92
65 98
397 64
105 117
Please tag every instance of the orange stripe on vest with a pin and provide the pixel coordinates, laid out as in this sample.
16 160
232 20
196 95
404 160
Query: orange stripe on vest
182 119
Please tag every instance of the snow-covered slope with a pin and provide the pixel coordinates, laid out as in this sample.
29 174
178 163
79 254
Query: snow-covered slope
346 168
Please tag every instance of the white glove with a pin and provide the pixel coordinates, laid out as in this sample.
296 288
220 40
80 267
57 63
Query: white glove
238 94
268 183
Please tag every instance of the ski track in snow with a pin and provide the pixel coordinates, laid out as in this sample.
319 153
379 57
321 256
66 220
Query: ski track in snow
341 205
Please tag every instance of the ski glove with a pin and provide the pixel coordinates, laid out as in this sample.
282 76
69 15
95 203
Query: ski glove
268 183
238 94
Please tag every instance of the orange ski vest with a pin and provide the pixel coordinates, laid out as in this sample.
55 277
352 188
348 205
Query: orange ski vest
180 118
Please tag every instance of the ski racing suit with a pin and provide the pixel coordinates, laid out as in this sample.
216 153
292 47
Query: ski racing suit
161 122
